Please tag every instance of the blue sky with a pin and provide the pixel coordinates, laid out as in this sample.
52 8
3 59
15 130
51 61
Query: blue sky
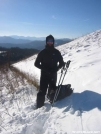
61 18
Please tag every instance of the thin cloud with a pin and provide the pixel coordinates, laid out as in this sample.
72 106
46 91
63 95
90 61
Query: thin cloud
28 23
53 17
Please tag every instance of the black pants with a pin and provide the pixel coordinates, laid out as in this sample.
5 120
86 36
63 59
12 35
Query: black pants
46 80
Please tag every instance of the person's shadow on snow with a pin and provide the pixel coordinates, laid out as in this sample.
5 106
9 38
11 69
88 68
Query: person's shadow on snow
84 101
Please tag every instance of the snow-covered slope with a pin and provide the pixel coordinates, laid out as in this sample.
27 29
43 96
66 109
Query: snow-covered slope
79 113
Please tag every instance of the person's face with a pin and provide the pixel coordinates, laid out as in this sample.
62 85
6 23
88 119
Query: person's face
50 42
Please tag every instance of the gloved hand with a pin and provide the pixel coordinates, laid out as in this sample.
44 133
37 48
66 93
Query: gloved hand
67 64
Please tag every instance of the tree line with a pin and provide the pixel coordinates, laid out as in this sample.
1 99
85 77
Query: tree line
12 55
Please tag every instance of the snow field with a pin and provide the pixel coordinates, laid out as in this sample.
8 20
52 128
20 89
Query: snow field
79 113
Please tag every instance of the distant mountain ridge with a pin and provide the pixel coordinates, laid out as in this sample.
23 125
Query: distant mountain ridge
8 42
27 37
7 39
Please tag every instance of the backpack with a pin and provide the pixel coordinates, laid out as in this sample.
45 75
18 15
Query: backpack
65 90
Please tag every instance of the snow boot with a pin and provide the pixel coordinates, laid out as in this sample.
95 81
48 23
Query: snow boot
40 100
51 96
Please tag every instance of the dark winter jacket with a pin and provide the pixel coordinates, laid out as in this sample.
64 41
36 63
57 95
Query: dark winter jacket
49 61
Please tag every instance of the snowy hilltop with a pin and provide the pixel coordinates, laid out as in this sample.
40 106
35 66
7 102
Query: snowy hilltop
79 113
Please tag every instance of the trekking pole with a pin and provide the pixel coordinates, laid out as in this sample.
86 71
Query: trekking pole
59 87
61 74
67 65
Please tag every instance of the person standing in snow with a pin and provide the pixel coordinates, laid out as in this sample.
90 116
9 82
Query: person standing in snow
49 60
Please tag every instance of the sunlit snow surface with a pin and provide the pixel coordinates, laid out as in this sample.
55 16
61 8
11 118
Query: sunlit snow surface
79 113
